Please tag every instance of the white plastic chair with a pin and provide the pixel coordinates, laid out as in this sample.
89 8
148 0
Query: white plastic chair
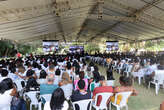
83 104
140 75
110 82
47 97
114 65
103 103
19 85
33 98
120 66
5 104
128 70
158 80
123 102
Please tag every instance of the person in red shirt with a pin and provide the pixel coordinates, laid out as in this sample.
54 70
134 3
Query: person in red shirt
103 88
162 106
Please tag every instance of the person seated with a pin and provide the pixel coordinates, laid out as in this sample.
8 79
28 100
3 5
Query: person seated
96 73
29 67
80 94
4 74
45 65
161 64
150 73
66 85
7 91
31 84
42 77
21 72
109 73
57 102
89 74
103 88
84 66
76 70
162 106
81 76
49 87
30 73
69 69
57 76
136 66
126 86
51 69
94 82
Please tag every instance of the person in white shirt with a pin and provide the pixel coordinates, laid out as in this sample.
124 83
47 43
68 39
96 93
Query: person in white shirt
57 102
57 76
7 91
149 71
69 69
51 69
21 73
66 85
42 77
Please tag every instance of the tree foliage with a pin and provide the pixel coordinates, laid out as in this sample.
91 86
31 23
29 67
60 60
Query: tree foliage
6 48
91 47
147 45
23 49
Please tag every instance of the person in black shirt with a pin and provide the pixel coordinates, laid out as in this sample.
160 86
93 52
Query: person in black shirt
80 94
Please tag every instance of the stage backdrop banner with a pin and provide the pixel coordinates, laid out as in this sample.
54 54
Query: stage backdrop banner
112 45
50 45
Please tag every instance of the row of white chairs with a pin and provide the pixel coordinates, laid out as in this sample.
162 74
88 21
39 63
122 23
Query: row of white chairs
84 104
103 105
158 79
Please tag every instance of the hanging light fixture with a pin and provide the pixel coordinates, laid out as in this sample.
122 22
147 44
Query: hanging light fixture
100 9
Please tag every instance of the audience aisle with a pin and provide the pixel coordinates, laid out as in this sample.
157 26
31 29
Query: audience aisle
146 99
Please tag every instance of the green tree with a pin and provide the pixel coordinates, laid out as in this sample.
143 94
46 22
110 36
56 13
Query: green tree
91 47
23 49
6 48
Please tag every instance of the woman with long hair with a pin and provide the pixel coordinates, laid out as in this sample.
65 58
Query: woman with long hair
81 77
57 102
66 85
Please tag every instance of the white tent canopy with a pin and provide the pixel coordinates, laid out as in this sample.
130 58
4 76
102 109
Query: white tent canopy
81 20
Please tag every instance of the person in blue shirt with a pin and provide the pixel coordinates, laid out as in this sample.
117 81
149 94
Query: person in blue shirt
49 87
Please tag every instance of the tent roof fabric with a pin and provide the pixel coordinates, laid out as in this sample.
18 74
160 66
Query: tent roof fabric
81 20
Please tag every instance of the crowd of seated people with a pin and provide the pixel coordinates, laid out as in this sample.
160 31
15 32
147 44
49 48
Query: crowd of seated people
143 65
146 66
66 77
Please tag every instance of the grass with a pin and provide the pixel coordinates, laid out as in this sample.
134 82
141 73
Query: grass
146 99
